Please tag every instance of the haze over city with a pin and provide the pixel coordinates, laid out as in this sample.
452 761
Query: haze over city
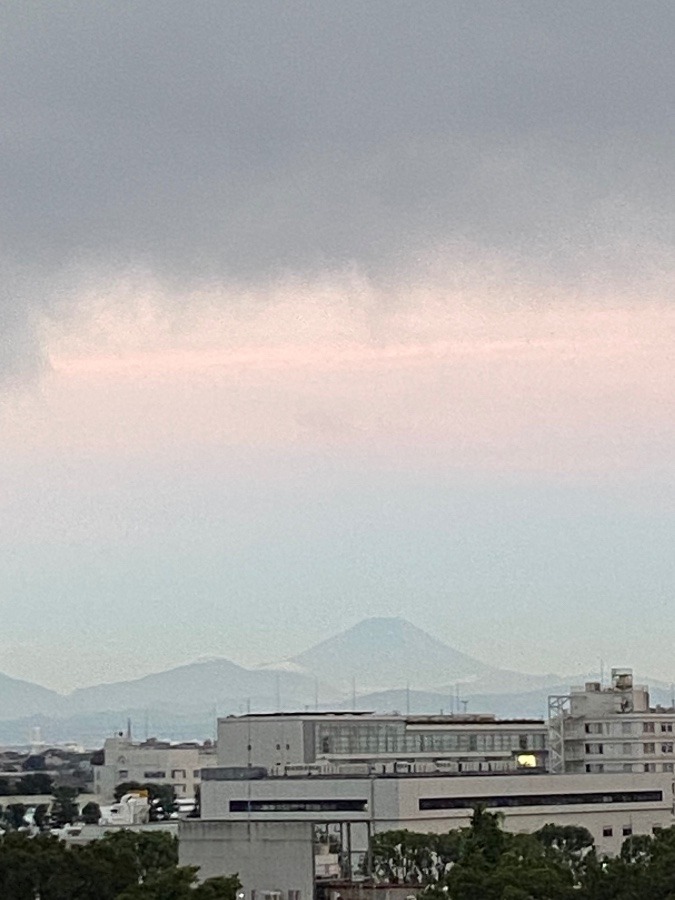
312 312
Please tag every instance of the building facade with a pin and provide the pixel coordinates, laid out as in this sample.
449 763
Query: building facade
611 729
306 743
152 761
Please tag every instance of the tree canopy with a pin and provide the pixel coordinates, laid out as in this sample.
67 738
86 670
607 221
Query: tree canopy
484 862
125 865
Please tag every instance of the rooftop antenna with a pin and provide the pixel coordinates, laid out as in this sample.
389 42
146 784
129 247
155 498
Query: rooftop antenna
464 703
129 728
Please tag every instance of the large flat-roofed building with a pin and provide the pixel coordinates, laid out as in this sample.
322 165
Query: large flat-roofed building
306 743
246 815
152 761
611 729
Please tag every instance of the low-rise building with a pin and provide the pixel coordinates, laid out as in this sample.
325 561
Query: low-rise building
610 729
152 762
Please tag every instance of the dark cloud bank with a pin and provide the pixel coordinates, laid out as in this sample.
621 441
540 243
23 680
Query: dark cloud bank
236 141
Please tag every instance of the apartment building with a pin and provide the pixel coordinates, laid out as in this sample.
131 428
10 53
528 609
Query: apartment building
610 729
324 743
152 761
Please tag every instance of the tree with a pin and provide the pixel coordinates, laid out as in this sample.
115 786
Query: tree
14 815
41 815
91 813
121 866
64 808
36 762
6 787
35 783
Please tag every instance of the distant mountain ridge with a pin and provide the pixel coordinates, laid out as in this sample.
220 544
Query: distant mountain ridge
388 663
381 654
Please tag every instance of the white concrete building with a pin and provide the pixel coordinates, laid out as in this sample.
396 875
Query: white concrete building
610 729
273 830
152 761
611 807
306 743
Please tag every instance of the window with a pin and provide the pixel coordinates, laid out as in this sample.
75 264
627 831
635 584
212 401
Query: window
626 749
650 767
667 727
648 727
197 773
607 831
123 773
594 728
294 895
594 748
157 774
667 767
626 728
649 748
667 748
626 831
178 773
627 767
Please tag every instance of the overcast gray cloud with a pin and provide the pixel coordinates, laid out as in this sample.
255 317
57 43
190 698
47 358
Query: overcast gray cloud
230 140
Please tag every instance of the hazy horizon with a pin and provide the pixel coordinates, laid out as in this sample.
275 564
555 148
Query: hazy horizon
329 310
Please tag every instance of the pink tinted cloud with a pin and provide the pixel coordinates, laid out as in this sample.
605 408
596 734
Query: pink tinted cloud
469 382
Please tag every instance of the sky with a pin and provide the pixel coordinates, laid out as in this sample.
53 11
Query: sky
313 311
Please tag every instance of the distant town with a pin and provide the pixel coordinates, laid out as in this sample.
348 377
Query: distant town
296 802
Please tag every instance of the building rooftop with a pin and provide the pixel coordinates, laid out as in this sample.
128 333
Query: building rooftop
449 719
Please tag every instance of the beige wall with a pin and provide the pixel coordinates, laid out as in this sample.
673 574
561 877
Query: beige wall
126 761
266 856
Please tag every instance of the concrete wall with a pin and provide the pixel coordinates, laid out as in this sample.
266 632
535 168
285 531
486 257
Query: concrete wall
267 856
275 742
217 795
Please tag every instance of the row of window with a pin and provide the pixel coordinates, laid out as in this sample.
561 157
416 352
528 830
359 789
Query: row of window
627 749
628 727
375 739
430 803
298 805
154 775
587 797
597 768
